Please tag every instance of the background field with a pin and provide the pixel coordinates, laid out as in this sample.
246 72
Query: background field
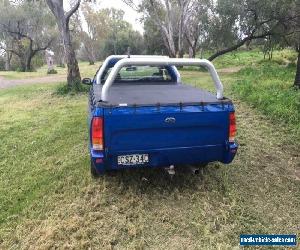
49 200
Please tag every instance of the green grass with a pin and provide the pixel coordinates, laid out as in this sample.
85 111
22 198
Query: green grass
64 89
269 89
49 200
253 57
31 157
239 58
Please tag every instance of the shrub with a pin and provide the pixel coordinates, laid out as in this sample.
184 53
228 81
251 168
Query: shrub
51 71
65 89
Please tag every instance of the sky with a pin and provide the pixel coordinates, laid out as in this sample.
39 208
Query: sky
130 15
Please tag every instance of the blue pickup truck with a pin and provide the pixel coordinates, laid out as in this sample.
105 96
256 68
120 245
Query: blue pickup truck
142 115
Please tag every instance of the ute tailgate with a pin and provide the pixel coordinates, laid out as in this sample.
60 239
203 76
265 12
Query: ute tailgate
151 128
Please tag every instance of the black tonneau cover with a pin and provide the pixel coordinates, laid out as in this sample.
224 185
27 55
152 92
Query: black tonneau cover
152 94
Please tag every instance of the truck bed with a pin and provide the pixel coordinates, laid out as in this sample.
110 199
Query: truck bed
155 93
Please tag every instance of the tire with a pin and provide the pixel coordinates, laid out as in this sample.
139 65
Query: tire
94 172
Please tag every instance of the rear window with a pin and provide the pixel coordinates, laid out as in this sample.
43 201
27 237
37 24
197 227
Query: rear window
140 74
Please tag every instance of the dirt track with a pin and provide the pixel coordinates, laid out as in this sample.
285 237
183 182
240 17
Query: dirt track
5 83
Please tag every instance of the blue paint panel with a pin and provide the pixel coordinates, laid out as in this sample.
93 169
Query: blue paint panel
199 134
149 131
167 156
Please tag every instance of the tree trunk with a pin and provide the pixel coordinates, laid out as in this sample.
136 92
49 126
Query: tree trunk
169 46
297 77
239 44
62 20
28 63
170 43
60 58
193 43
201 53
224 51
190 52
22 64
73 69
194 51
92 58
73 77
115 47
180 53
180 42
7 61
90 55
248 43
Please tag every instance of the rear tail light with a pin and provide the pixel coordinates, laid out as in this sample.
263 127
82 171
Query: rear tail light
97 133
232 127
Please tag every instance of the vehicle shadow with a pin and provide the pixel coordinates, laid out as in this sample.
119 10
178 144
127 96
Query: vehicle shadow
156 181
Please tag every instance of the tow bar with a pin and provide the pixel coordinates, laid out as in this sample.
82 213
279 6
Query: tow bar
170 170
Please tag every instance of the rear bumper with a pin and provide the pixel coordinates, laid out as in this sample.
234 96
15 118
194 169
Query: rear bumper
169 156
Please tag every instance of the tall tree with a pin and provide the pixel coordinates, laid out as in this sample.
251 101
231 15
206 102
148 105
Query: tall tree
294 38
289 33
89 38
121 35
237 22
26 30
197 24
63 20
154 43
297 76
275 20
164 18
170 17
173 19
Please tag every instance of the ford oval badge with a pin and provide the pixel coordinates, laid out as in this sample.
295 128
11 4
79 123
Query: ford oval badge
170 120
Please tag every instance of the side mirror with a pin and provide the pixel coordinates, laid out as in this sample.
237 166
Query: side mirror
87 81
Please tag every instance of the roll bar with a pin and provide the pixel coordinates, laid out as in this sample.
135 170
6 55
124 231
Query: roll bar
161 61
109 58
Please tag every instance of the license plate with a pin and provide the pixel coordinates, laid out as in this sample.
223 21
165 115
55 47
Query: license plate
135 159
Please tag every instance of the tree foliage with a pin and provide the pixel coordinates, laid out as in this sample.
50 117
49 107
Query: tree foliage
237 22
108 33
25 29
173 27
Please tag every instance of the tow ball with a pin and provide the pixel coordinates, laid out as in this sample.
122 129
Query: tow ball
170 170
